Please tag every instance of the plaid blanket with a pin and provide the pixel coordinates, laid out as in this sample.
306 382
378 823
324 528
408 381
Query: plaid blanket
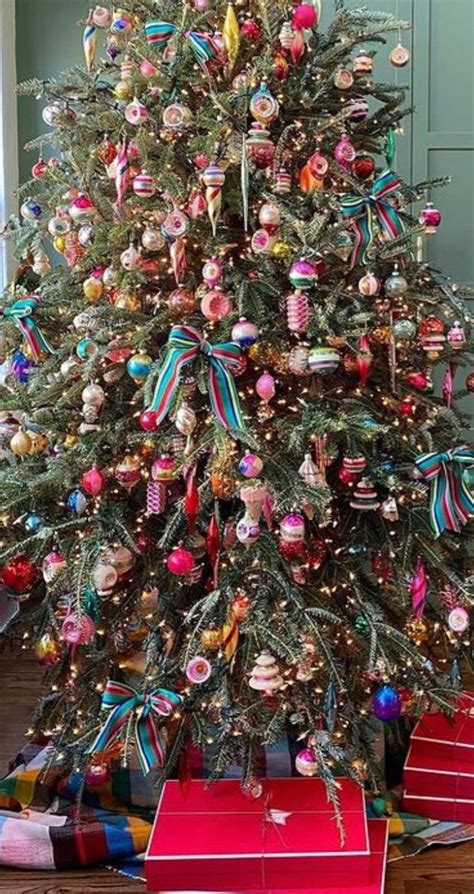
42 825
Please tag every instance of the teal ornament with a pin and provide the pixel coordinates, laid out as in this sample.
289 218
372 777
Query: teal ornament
378 807
86 349
356 549
139 366
33 523
404 329
361 625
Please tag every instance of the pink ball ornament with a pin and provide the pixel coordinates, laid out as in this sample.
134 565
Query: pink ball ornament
216 305
147 69
180 562
200 5
148 420
250 465
344 152
251 30
164 469
135 112
97 774
144 185
82 209
265 387
430 218
77 630
318 165
305 16
198 670
53 564
292 527
93 481
212 272
303 274
39 169
306 763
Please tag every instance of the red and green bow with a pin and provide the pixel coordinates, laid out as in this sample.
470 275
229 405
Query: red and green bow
185 344
21 312
451 502
123 701
364 211
203 47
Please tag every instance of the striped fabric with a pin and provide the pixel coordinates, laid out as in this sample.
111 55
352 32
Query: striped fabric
22 314
364 211
451 502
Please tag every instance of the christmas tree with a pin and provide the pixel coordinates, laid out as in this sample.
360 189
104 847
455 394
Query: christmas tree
233 506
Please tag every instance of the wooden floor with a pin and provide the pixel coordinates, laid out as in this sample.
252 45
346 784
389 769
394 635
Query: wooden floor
441 871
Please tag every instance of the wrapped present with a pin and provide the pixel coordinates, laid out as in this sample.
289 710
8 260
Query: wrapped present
212 838
439 769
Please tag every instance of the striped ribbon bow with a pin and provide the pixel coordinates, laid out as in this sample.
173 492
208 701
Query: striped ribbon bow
363 211
21 312
185 343
203 46
451 502
121 700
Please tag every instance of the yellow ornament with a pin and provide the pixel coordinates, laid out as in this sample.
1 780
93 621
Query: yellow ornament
70 441
60 244
128 301
123 90
381 335
39 443
93 288
417 630
20 444
231 36
281 250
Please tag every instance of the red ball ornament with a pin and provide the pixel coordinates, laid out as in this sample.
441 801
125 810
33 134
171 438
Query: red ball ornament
304 16
251 30
19 574
406 408
363 167
180 562
381 566
97 774
290 550
148 420
316 553
93 481
347 477
143 543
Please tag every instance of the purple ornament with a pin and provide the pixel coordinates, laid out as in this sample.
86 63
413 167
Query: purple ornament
386 703
20 367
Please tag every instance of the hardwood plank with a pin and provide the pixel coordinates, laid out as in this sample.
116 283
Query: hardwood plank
447 870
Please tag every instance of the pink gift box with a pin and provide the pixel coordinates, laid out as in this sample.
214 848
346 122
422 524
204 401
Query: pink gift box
213 837
449 737
372 883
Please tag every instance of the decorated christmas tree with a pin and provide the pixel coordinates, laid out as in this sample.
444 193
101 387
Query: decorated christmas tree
233 504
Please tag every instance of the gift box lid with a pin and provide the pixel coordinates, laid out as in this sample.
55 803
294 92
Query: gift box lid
455 730
294 818
422 760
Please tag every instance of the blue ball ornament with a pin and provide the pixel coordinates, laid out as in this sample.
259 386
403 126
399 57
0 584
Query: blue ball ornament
244 333
33 523
386 703
139 366
86 349
76 502
20 367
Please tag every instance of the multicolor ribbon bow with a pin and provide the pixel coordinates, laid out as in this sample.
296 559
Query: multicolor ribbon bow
451 502
121 701
185 343
363 211
204 48
21 312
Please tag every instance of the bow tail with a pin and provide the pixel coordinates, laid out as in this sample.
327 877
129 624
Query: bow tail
389 219
168 379
362 227
150 743
112 727
223 395
34 337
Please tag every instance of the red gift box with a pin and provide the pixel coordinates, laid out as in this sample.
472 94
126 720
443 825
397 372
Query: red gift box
439 769
373 883
214 839
449 737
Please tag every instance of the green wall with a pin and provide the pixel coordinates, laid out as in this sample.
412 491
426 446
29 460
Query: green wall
48 40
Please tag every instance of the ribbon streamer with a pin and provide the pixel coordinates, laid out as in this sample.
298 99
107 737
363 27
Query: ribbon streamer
122 176
89 43
21 312
364 211
158 34
121 701
451 503
185 344
419 588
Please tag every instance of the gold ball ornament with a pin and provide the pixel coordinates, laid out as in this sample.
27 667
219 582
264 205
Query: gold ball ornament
20 444
470 382
223 477
128 301
92 288
359 768
148 600
123 90
380 335
70 441
39 443
417 630
211 639
281 250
